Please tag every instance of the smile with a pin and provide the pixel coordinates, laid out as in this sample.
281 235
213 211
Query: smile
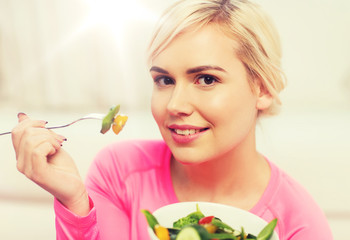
186 132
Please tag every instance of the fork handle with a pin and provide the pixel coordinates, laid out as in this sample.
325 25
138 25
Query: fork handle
62 126
66 125
5 133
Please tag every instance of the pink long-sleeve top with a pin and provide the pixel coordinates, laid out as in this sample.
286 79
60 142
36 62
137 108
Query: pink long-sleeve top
133 175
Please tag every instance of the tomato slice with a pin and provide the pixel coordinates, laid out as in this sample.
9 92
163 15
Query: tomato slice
206 220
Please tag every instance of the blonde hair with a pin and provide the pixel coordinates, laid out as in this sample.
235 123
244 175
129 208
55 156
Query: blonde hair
259 45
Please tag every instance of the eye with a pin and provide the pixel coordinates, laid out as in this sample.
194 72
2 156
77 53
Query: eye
206 80
162 81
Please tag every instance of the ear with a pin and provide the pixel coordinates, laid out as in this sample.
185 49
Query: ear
264 99
264 102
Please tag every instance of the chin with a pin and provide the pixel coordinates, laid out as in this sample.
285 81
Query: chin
187 160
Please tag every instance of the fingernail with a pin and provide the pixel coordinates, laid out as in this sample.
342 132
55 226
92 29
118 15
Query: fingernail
20 114
63 138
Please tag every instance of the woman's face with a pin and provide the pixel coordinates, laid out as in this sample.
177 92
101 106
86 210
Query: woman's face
202 101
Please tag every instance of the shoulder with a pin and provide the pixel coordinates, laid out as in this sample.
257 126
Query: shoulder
300 217
292 193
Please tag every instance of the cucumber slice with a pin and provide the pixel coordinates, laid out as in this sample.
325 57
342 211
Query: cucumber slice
193 232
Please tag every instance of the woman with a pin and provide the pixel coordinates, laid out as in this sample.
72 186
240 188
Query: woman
216 69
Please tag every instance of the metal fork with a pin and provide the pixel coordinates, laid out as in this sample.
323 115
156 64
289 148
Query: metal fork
97 116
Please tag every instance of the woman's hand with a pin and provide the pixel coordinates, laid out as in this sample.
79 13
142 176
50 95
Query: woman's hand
40 157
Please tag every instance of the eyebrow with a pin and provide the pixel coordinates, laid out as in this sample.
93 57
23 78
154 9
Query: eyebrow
158 69
191 70
204 68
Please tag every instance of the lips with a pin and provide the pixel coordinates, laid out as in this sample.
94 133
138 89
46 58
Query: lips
186 133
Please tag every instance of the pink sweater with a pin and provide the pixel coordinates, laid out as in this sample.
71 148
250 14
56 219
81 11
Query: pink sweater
128 176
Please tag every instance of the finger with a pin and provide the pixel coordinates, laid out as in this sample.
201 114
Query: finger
24 121
39 136
35 167
59 137
31 139
22 117
35 150
25 125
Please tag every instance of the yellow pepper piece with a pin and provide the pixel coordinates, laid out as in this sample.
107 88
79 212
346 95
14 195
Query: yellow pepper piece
118 123
161 232
210 228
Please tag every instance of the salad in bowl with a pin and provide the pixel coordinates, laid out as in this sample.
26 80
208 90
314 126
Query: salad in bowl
207 221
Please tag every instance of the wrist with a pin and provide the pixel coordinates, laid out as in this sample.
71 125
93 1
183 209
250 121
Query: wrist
80 206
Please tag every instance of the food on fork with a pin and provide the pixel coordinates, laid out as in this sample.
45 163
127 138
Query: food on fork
112 119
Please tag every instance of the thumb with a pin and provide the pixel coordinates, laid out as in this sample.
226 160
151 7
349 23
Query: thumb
21 116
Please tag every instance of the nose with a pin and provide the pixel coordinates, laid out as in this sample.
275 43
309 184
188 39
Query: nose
180 103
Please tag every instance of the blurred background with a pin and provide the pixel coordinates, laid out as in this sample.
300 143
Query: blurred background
62 59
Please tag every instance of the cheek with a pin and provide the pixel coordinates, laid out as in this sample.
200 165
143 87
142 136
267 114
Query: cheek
230 109
219 104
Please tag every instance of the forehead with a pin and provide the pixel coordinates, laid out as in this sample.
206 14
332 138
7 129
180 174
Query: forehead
207 43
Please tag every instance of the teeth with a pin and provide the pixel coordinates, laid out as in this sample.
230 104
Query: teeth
186 131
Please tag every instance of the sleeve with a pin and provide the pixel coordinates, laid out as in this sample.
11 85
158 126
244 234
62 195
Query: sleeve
108 218
306 234
303 218
72 226
309 221
315 227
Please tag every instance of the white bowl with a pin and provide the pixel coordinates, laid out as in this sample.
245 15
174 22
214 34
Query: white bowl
234 217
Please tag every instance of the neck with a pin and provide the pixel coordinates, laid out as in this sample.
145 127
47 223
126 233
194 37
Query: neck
241 174
216 174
